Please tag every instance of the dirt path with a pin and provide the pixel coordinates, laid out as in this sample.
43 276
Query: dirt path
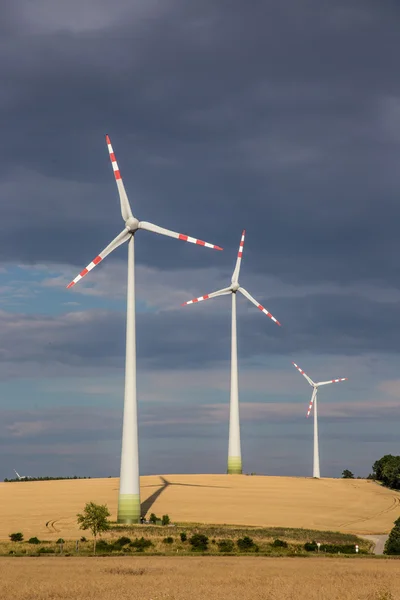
378 540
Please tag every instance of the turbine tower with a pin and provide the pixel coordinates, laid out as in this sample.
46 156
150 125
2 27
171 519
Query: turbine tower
315 386
234 450
129 487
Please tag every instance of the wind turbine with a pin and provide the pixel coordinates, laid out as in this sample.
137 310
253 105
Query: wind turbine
315 386
129 490
20 477
234 450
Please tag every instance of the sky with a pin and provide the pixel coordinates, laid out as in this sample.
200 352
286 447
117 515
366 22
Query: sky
280 118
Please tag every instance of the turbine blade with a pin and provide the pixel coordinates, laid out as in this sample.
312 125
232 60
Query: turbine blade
126 211
179 236
310 381
331 381
120 239
259 306
313 396
208 296
235 276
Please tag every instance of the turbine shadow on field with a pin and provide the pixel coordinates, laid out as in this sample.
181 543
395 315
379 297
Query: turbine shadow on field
147 504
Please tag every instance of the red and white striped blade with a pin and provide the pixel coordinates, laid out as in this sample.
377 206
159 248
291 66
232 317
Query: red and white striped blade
222 292
126 211
179 236
235 276
310 381
120 239
259 306
331 381
313 395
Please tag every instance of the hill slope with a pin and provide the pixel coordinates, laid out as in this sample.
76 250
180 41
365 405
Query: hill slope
48 508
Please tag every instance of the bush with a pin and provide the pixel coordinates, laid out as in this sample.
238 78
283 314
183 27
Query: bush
16 537
279 544
165 520
226 546
153 518
103 546
46 550
83 539
141 544
310 546
60 541
246 544
183 536
199 542
168 540
123 541
33 540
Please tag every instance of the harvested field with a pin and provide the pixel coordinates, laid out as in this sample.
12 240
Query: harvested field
48 509
217 578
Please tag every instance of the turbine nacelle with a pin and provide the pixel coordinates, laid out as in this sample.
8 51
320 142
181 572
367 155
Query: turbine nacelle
132 224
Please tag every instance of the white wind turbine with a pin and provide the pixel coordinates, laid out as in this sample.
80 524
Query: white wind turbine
234 450
315 386
129 489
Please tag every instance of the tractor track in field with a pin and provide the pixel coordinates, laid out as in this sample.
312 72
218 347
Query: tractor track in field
51 526
395 504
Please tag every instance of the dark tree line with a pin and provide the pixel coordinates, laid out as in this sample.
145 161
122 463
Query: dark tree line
387 471
43 479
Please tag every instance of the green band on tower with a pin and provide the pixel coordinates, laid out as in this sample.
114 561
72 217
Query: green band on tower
129 508
234 465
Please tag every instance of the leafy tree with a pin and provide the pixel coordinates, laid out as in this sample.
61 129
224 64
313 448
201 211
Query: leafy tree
16 537
246 544
347 474
392 545
153 518
33 540
94 517
165 520
199 542
387 470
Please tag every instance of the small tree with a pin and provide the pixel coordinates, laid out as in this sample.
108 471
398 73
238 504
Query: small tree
347 474
199 542
183 536
153 518
16 537
165 520
392 545
94 517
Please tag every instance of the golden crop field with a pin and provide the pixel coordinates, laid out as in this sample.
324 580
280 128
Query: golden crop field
47 509
217 578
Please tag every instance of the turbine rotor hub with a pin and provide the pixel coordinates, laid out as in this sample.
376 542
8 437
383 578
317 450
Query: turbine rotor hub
235 286
132 224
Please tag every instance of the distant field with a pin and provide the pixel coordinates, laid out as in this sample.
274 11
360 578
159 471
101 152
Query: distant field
47 509
216 578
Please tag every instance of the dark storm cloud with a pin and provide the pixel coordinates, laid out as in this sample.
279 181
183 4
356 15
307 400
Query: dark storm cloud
283 118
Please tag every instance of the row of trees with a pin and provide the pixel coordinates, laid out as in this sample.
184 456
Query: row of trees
42 479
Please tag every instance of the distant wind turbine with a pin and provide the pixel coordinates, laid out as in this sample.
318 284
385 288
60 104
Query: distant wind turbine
315 386
129 490
21 476
234 449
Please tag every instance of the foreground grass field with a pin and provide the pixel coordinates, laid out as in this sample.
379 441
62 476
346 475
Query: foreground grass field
47 509
217 578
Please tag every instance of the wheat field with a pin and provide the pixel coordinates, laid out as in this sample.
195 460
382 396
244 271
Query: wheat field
47 509
195 578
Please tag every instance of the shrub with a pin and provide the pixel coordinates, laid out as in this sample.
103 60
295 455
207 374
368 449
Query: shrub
183 536
44 550
33 540
16 537
246 544
199 542
168 540
279 544
103 546
60 541
141 544
83 539
310 546
123 541
153 518
226 546
165 520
